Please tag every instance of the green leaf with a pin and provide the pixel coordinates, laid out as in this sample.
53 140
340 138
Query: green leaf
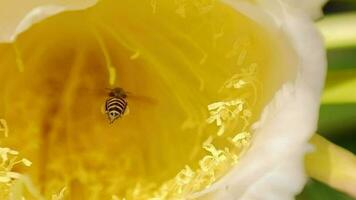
340 87
337 119
339 30
315 190
341 58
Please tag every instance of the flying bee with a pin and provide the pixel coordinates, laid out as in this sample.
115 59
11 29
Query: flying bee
116 104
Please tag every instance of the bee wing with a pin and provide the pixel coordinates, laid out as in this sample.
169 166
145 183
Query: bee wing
143 99
127 111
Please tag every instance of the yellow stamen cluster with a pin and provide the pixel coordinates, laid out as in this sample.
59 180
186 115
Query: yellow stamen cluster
217 161
9 179
223 112
212 166
60 195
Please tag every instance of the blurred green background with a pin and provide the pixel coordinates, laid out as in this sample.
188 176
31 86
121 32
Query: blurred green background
337 121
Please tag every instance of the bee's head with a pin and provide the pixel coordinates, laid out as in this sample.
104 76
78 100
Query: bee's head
117 92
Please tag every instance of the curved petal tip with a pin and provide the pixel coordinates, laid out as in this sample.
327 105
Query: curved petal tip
311 7
17 16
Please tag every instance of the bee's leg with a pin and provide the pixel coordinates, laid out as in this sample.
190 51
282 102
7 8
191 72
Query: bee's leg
127 111
111 120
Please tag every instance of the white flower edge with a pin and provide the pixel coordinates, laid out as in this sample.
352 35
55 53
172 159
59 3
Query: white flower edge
31 12
273 168
311 7
35 12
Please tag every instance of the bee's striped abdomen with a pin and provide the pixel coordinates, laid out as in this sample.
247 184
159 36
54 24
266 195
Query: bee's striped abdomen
115 107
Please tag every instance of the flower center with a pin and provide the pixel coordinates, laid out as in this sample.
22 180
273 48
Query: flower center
197 75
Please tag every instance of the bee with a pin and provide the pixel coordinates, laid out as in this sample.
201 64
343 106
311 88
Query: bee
116 104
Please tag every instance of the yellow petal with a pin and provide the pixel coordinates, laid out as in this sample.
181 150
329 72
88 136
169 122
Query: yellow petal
332 165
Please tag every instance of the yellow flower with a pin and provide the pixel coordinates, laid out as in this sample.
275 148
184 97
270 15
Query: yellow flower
223 97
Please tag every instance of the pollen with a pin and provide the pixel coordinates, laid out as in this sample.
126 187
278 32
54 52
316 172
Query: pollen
60 195
241 139
9 178
222 113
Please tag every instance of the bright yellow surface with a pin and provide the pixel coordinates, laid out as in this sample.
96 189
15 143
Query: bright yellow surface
174 58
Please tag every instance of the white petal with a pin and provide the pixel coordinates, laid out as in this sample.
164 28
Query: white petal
273 167
312 7
18 15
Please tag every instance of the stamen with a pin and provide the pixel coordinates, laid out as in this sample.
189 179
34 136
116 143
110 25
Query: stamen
223 112
242 57
234 51
190 42
26 162
181 8
135 56
154 6
217 34
19 61
247 78
184 177
4 128
111 69
241 140
122 41
8 161
60 195
204 6
189 180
